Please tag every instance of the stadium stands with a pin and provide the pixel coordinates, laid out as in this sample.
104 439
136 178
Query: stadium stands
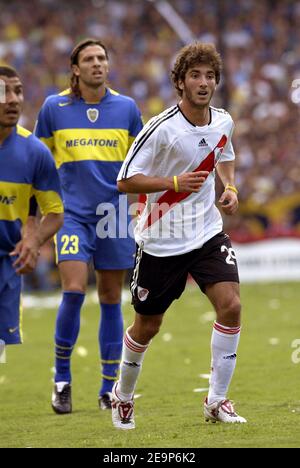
260 45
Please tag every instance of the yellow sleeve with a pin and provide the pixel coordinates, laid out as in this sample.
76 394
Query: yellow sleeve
49 202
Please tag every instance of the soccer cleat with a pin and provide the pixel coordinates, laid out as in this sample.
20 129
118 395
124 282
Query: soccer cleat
122 412
62 401
105 401
222 411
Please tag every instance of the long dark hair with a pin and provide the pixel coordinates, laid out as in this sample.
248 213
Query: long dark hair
9 72
74 81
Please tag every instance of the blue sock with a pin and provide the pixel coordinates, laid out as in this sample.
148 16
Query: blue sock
67 330
110 341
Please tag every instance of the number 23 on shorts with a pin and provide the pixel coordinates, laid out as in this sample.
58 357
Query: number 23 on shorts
70 245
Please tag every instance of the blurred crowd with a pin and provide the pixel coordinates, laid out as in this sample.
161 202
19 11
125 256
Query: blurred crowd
260 46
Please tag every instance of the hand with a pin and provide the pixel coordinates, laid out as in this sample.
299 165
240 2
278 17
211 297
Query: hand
229 202
27 251
191 181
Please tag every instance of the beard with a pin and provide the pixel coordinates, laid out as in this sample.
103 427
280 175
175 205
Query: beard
10 124
192 101
93 83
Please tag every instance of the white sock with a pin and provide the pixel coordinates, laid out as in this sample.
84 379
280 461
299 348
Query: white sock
130 368
60 386
224 344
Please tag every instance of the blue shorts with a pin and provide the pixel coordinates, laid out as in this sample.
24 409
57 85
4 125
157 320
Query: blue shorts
79 241
10 304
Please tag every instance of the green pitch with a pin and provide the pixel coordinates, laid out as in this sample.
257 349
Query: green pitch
168 412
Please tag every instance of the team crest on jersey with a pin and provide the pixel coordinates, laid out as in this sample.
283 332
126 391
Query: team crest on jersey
92 115
142 294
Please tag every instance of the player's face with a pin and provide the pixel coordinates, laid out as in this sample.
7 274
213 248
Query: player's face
11 108
199 85
92 68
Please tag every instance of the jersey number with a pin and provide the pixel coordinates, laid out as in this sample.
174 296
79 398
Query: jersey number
70 245
231 255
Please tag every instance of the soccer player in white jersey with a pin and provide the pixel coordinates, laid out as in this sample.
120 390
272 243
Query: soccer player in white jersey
173 161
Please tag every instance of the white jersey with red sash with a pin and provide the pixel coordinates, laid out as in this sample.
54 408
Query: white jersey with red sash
176 223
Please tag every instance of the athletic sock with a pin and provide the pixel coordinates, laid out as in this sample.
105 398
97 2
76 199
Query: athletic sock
110 342
224 344
60 386
67 330
131 365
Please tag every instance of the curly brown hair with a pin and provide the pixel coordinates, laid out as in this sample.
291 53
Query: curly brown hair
194 54
74 81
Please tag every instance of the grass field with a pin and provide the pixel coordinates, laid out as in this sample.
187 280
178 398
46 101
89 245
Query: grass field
266 386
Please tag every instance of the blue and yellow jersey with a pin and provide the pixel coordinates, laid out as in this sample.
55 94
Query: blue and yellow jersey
26 169
89 143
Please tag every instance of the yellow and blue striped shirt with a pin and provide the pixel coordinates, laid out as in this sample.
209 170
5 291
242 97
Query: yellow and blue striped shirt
26 169
89 143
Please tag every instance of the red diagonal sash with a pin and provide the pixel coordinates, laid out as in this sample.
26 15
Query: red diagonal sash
170 198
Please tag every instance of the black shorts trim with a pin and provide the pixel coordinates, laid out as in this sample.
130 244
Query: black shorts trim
158 281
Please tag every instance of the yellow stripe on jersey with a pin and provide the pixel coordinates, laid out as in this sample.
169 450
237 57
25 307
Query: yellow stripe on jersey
114 92
89 145
65 92
48 142
14 201
48 201
23 132
130 141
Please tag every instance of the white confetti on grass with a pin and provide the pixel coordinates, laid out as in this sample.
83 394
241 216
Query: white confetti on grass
167 337
138 395
93 298
204 376
53 301
83 322
208 317
126 296
296 410
82 351
274 341
50 302
3 379
200 390
274 304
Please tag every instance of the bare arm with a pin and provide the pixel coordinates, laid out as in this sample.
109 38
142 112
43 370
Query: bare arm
35 233
139 183
229 200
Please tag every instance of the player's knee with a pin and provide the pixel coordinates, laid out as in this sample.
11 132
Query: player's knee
152 329
110 295
232 309
74 288
146 329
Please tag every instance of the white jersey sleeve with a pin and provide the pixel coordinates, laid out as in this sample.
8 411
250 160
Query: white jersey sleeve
228 152
140 158
144 155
